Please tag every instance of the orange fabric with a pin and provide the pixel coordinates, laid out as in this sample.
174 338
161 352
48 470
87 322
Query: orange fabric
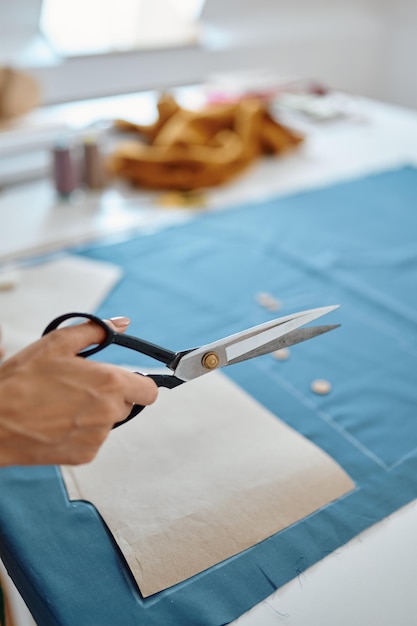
185 150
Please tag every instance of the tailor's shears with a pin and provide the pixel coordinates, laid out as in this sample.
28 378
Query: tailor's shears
188 364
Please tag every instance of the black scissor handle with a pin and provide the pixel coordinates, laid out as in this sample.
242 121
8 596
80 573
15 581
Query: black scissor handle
109 338
162 380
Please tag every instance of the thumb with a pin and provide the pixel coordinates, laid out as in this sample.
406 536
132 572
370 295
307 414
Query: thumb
71 340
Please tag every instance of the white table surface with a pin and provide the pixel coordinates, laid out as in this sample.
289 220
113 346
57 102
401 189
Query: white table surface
372 580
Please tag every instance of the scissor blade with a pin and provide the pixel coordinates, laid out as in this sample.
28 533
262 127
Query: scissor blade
251 341
234 348
296 336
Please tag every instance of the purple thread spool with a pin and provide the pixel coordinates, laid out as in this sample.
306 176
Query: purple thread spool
64 168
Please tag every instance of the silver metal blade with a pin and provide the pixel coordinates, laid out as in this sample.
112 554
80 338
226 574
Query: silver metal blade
296 336
247 344
234 348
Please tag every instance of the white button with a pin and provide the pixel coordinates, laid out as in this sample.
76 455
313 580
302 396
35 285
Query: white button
281 355
268 301
274 305
321 386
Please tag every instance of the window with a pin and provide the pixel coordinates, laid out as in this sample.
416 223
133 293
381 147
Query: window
79 27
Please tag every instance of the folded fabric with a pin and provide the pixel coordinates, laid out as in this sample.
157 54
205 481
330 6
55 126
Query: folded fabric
187 149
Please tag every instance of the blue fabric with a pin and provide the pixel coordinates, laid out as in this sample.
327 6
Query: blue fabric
354 244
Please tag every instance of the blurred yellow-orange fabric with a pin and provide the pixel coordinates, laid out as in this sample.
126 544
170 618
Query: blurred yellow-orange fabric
185 150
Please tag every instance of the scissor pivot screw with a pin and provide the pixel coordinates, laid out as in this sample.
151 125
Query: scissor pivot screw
210 360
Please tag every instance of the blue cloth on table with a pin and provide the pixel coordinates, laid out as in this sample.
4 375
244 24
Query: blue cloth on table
354 244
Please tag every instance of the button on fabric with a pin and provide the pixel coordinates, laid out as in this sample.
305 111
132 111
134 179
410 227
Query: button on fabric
321 386
281 355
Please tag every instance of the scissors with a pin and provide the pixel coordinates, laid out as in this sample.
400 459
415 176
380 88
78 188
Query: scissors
189 364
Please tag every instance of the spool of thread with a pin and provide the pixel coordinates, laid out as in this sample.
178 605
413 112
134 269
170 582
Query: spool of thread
64 170
93 171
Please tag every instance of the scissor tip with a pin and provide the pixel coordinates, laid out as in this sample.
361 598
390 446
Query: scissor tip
328 309
323 310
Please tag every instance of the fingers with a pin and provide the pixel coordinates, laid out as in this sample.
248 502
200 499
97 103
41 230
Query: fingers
117 383
140 389
118 323
71 340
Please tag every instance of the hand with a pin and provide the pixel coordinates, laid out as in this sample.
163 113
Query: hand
57 407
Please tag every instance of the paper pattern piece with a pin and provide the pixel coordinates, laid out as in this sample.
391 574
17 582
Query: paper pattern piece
46 290
203 474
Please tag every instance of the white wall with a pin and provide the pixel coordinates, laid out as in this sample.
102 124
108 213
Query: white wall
364 46
367 47
399 59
